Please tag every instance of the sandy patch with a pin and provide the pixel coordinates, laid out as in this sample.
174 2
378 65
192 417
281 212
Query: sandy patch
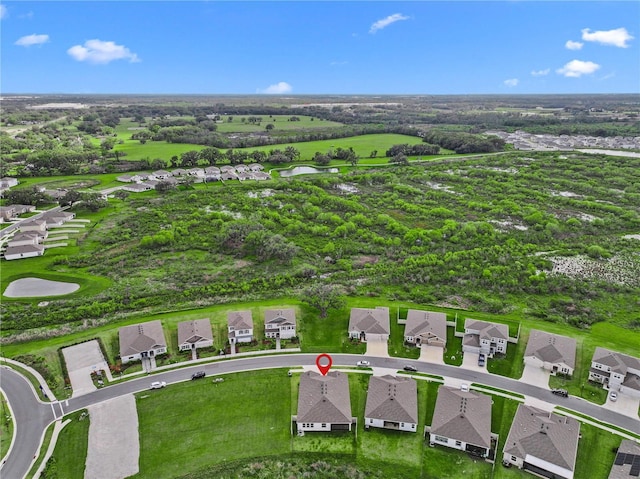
632 237
34 287
114 445
618 269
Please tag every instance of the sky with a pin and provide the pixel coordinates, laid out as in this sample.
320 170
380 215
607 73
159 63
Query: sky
320 47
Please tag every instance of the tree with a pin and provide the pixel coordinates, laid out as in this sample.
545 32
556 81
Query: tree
269 127
323 297
94 201
70 197
373 154
320 159
165 187
189 158
27 196
400 159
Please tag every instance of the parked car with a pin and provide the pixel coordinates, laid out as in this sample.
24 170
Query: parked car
363 364
464 387
198 375
481 359
158 384
560 392
409 367
613 395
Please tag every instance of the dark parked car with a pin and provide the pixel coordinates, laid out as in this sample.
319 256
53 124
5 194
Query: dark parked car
560 392
408 367
481 359
198 375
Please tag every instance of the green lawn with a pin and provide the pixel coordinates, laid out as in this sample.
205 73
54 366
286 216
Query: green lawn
279 122
70 454
6 426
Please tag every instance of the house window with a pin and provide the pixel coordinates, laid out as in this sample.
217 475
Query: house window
458 443
441 439
324 425
514 458
401 424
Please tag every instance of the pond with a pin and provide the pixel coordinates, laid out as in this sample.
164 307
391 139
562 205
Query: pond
305 170
36 287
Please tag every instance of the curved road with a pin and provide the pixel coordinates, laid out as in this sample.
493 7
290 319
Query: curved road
32 416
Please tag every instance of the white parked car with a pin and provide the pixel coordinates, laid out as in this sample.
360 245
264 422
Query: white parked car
613 396
363 364
464 387
158 384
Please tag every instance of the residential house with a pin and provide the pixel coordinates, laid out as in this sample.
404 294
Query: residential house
243 176
56 194
144 340
196 172
128 178
57 218
280 323
161 174
552 352
392 403
462 420
137 187
627 462
369 323
323 403
242 168
8 182
33 225
22 209
151 184
484 337
261 176
227 169
426 327
255 167
212 173
229 175
180 172
194 334
543 443
7 213
25 251
616 371
26 238
240 327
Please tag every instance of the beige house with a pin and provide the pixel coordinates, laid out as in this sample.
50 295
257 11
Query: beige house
25 251
616 371
144 340
324 403
369 323
392 403
240 327
426 327
482 337
194 334
552 352
280 323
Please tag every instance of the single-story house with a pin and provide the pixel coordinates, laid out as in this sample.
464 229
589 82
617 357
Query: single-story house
227 169
324 403
462 420
22 209
261 176
161 174
144 340
27 238
229 175
7 213
240 327
280 323
373 323
197 172
57 218
33 225
8 182
194 334
426 327
484 337
552 352
242 168
25 251
616 371
56 194
392 403
243 176
137 187
543 443
255 167
627 462
179 172
128 178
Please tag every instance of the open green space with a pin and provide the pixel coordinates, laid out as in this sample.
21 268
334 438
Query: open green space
70 454
6 426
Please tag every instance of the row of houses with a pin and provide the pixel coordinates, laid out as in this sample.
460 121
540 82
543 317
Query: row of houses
28 240
12 212
538 441
147 340
522 140
211 173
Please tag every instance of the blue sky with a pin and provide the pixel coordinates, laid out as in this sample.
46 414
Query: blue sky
324 47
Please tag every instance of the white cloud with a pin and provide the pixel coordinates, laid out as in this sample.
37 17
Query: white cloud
511 82
3 11
571 45
97 51
577 68
34 39
277 88
541 73
385 22
617 38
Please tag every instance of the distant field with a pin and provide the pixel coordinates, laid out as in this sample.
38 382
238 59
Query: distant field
279 122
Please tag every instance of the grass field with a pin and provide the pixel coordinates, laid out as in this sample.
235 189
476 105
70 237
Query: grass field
6 426
279 122
70 454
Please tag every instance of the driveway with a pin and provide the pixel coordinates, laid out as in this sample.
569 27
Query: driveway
536 376
82 359
377 346
470 361
431 354
625 404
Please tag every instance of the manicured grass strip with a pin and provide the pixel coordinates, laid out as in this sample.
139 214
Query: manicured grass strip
43 450
6 426
501 391
428 377
70 454
560 410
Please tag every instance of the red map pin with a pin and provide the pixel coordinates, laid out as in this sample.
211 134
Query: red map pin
324 362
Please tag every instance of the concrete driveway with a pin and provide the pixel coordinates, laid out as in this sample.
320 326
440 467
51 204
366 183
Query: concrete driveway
377 346
82 359
431 354
470 361
536 376
625 404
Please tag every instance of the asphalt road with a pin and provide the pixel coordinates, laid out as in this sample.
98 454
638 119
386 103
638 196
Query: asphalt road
32 417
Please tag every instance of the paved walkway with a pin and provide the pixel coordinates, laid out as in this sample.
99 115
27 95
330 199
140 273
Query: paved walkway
536 376
114 445
431 354
82 359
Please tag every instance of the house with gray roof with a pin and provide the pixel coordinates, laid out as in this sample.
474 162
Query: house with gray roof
324 403
194 334
627 462
144 340
240 327
33 225
24 251
426 327
280 323
392 403
369 323
552 352
26 238
543 443
616 371
485 337
462 420
7 213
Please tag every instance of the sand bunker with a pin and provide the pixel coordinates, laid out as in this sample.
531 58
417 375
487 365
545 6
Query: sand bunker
34 287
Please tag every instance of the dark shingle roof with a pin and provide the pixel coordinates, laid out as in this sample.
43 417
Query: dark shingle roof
551 348
426 323
324 399
392 398
240 319
194 331
371 321
618 362
487 330
280 316
141 337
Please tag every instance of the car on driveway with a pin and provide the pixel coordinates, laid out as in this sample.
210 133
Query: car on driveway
481 359
411 368
158 384
560 392
613 396
363 364
198 375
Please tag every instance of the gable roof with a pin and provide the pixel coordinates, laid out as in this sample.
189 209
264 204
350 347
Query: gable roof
392 398
463 416
324 399
194 331
543 435
427 324
240 319
551 348
487 330
628 454
141 337
28 248
280 317
373 321
618 362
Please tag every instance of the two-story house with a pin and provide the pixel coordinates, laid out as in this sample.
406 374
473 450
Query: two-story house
280 323
240 327
616 371
482 337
